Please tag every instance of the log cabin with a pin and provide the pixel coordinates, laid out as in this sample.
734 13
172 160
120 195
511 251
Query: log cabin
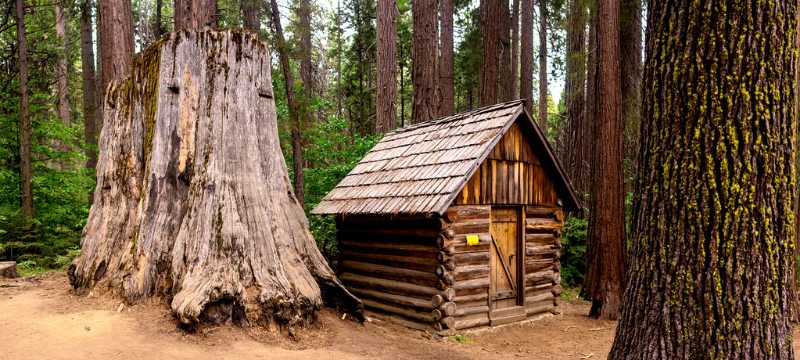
454 223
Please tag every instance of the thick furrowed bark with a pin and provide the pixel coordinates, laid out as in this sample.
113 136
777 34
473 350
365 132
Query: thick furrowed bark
713 232
193 199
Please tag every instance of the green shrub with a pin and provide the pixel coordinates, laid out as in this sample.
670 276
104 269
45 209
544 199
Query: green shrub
573 251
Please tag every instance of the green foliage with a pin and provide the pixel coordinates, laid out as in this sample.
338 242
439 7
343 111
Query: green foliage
61 185
460 339
573 251
334 154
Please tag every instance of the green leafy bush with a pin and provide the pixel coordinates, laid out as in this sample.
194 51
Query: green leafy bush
61 186
331 152
573 251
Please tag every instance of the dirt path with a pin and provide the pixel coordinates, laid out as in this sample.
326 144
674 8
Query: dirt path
40 318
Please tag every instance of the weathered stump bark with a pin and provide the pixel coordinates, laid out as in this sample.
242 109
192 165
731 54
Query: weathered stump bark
193 201
8 269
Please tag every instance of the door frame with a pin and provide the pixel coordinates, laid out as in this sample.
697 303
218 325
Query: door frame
519 243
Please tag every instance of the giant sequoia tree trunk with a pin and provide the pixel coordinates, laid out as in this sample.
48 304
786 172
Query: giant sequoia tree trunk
630 42
543 66
606 261
446 65
491 52
574 91
713 229
526 54
424 60
90 102
115 40
386 96
193 201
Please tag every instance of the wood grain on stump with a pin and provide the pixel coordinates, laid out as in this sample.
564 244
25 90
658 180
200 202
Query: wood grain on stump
193 201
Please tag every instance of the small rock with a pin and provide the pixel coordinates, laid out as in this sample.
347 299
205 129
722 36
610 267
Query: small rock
120 307
87 328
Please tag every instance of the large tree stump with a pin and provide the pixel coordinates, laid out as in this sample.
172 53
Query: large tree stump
193 200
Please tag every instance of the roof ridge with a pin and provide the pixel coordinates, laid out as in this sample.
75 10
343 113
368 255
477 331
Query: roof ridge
458 116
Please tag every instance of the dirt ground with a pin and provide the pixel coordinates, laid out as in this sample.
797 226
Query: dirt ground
41 319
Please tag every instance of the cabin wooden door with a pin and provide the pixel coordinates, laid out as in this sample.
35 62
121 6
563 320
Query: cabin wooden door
504 284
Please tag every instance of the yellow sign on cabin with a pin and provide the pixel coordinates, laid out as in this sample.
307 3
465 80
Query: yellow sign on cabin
472 240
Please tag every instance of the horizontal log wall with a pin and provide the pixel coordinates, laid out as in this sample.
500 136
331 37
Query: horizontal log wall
543 226
398 267
470 263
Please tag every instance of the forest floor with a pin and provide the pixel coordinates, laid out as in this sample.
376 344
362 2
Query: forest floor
40 318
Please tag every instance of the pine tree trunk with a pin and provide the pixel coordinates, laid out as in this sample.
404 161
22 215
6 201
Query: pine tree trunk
25 174
304 33
505 93
514 49
424 60
526 54
446 65
386 96
191 199
543 66
607 212
90 108
587 289
116 40
195 14
61 65
339 93
251 15
294 112
574 92
491 52
159 21
713 226
631 68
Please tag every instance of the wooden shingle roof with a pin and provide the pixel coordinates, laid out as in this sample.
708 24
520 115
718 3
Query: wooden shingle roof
419 169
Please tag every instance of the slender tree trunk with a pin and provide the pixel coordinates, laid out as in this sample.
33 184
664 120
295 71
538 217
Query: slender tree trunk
631 68
713 221
543 65
386 96
159 21
526 54
446 65
587 290
607 212
251 15
305 115
402 90
195 14
424 60
25 174
506 75
304 33
574 92
491 52
514 49
61 65
116 40
294 114
90 108
339 93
